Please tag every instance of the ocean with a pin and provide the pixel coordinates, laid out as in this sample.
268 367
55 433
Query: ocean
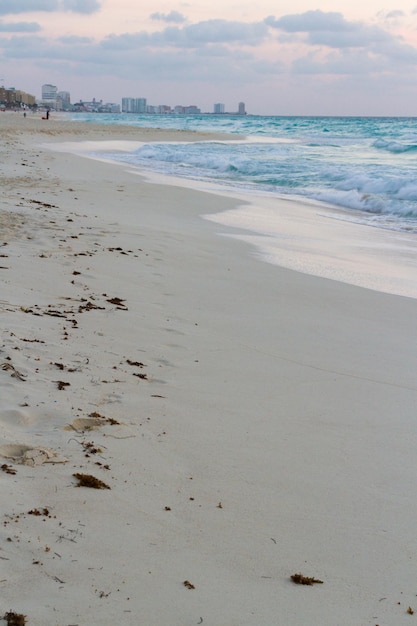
363 169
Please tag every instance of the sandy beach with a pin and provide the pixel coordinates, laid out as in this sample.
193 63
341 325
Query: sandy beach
243 422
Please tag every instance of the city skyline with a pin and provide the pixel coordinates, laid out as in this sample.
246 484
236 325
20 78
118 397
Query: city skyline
54 98
322 57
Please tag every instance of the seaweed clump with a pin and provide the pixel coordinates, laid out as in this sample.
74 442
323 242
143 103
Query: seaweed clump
189 585
87 480
15 619
299 579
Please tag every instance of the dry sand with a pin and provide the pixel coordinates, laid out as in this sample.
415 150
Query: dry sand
251 422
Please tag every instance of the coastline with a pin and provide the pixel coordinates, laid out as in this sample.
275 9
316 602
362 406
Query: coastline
268 431
299 234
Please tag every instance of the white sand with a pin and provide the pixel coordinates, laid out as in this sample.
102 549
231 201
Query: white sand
274 431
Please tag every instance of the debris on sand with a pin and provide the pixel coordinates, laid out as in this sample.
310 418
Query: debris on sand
14 619
189 585
86 480
299 579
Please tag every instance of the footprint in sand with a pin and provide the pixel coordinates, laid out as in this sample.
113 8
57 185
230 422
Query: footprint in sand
80 424
29 455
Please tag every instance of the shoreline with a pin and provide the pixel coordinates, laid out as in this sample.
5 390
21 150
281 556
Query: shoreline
295 233
265 418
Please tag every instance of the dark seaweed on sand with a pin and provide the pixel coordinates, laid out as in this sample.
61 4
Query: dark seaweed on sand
86 480
62 384
15 619
299 579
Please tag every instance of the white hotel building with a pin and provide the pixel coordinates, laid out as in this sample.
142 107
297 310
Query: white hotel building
133 105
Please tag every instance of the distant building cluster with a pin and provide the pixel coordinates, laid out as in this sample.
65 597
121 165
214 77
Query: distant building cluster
96 106
61 101
140 105
12 98
52 99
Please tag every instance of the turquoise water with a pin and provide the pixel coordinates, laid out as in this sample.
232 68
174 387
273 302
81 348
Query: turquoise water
366 166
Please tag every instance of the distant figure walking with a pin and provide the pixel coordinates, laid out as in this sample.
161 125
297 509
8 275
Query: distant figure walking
47 114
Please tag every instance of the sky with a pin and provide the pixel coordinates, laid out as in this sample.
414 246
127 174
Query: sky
280 57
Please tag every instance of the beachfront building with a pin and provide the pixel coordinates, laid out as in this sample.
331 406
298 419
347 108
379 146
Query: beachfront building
186 110
218 108
241 109
192 110
64 100
128 105
12 98
96 106
140 105
111 107
49 95
24 99
133 105
7 97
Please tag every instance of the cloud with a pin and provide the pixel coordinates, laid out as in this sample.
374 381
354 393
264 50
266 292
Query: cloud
75 40
178 67
173 16
394 14
332 45
333 30
221 51
338 64
25 47
115 56
392 58
27 6
200 35
19 27
217 30
310 21
12 7
81 6
398 52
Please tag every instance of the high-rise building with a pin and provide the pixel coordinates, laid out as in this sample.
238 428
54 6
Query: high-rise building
241 108
218 108
49 94
65 96
127 105
140 105
133 105
63 101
